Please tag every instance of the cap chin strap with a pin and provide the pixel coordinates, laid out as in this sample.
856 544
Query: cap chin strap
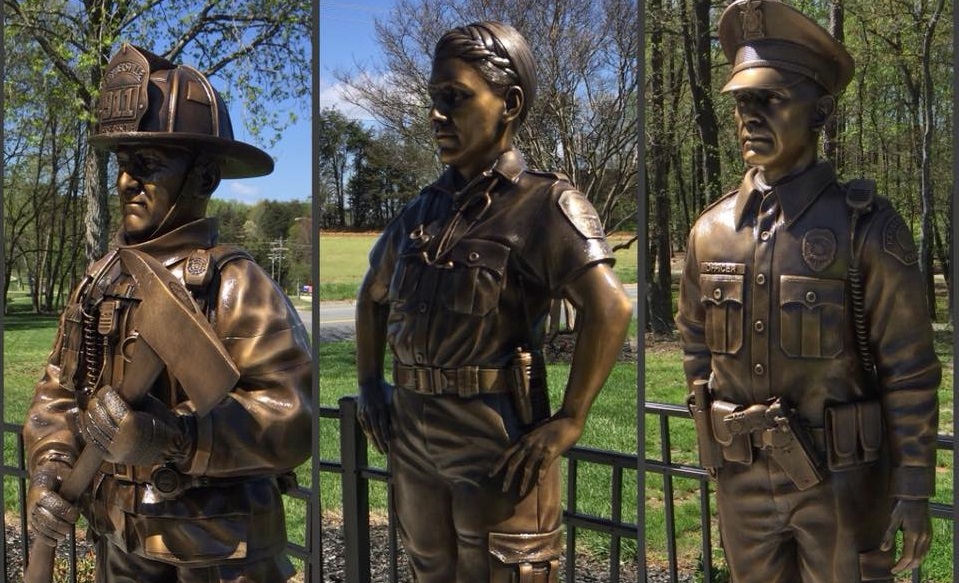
172 216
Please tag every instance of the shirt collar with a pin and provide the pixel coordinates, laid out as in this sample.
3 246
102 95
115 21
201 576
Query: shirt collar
171 247
795 195
509 165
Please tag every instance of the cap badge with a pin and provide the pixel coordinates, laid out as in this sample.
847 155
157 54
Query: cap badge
123 96
751 17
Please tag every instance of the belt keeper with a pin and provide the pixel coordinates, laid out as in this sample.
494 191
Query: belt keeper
467 381
123 472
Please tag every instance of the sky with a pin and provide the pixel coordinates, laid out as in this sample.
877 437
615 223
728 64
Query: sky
347 36
291 175
346 33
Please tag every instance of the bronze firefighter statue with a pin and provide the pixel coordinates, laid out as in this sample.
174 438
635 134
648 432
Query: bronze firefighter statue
176 399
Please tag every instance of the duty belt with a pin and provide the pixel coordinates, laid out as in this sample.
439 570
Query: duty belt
466 381
167 480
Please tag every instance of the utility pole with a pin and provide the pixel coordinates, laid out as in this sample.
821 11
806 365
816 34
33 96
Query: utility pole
276 258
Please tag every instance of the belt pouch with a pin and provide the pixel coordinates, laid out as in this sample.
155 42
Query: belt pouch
736 448
853 434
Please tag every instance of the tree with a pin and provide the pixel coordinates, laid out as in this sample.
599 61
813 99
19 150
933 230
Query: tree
341 139
41 201
254 47
388 172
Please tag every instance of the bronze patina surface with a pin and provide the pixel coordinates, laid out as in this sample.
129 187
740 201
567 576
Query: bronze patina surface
180 368
807 344
459 288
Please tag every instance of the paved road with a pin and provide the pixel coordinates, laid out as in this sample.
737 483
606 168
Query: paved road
337 318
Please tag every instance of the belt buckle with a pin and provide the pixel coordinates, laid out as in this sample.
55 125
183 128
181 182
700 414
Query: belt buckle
123 472
429 380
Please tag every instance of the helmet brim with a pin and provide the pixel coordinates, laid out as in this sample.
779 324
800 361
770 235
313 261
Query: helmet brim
235 159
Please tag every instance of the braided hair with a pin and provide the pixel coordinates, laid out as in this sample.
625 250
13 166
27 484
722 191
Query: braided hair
498 52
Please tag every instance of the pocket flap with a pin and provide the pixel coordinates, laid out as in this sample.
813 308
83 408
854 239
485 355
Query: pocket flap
841 427
481 253
535 547
870 425
717 289
811 292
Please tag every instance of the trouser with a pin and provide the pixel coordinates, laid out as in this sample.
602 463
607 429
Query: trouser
114 565
830 533
456 523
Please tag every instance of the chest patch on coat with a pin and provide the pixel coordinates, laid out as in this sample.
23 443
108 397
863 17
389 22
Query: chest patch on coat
897 241
819 249
581 214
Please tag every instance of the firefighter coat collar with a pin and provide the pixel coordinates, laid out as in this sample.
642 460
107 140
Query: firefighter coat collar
176 245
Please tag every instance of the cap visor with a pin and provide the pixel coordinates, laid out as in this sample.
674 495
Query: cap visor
761 78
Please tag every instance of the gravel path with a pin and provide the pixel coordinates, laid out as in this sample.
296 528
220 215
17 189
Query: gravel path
589 569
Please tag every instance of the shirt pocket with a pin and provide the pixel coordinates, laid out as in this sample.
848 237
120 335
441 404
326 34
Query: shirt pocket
476 278
723 300
406 280
812 316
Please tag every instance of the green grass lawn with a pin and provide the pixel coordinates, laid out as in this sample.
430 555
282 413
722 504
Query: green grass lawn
344 258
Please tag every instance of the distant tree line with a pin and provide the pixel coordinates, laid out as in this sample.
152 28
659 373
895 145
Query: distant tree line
367 175
894 122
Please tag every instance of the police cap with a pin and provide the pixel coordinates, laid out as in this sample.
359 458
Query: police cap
770 43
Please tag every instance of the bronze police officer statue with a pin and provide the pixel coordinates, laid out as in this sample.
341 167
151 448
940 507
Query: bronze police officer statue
189 487
808 347
459 287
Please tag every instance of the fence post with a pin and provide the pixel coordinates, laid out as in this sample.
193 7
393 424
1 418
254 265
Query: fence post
356 494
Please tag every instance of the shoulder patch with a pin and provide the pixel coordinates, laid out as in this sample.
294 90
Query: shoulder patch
897 241
581 214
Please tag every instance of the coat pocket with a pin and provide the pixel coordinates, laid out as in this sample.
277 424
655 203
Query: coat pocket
811 316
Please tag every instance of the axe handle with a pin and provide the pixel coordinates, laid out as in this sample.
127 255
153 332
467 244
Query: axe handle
40 567
143 369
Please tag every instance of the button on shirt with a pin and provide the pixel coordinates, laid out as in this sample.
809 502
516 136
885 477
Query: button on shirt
469 270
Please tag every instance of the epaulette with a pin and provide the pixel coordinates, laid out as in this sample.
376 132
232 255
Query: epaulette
553 175
719 200
102 262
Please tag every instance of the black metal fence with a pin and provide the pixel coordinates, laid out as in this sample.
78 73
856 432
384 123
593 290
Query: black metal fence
356 475
17 472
